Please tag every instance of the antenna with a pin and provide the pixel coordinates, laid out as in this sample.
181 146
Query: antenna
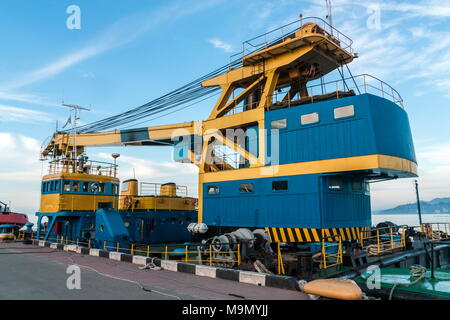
76 110
329 15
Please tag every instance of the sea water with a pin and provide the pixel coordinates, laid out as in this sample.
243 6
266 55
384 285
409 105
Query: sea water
410 219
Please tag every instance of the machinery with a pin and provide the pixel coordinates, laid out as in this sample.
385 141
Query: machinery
285 156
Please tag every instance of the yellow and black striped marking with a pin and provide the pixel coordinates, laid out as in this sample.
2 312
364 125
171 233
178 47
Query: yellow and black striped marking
314 235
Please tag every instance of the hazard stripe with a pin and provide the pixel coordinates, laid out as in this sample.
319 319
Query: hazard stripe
315 235
291 236
283 236
275 236
349 236
306 235
354 233
299 235
343 236
336 234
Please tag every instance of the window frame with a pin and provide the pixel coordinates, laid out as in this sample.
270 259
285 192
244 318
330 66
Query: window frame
280 190
251 189
309 114
215 187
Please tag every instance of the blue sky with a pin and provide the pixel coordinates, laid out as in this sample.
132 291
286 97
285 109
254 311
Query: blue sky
129 52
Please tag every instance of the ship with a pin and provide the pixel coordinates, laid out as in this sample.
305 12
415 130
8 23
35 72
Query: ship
303 211
7 217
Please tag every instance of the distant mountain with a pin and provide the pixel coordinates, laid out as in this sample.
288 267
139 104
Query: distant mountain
435 206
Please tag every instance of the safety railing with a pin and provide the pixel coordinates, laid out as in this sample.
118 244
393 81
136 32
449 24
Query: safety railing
282 33
280 263
85 167
154 189
20 235
332 252
188 253
378 241
436 231
360 84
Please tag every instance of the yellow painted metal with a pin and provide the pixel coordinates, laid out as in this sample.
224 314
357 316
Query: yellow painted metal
152 203
375 161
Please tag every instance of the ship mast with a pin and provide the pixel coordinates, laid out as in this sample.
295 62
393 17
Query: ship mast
76 110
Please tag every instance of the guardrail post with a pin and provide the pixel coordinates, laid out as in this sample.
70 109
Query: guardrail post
167 253
239 253
378 241
324 255
104 245
392 239
210 255
186 259
132 249
89 243
117 246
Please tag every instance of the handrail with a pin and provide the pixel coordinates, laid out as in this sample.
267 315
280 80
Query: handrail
379 243
337 257
268 39
89 167
363 83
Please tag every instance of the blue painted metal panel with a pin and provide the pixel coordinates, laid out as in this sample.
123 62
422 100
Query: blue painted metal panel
158 226
304 205
379 126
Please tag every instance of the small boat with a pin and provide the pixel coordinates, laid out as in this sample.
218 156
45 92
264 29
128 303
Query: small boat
13 218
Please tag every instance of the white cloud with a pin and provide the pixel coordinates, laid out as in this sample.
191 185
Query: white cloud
20 172
156 172
23 115
217 43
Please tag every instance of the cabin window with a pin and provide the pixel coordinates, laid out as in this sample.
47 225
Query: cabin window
309 118
343 112
85 186
57 186
102 187
278 124
279 185
246 188
335 184
67 186
76 186
213 190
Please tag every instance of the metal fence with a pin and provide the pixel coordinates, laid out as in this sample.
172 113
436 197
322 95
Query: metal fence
378 241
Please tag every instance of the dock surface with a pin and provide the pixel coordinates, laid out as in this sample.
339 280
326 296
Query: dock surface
39 273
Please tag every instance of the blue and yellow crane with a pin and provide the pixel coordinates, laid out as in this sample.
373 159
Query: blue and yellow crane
284 153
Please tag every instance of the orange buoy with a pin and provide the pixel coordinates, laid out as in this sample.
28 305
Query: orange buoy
342 289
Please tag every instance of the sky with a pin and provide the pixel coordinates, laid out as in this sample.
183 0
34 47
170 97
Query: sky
128 52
